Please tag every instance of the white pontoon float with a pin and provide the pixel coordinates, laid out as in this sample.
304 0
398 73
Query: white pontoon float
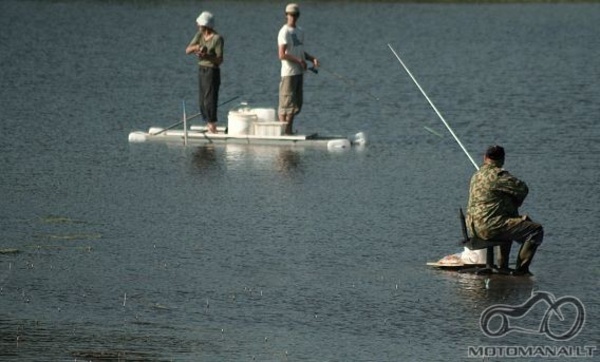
245 125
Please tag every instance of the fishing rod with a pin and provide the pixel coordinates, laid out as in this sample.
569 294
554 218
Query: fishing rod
349 82
434 108
340 77
190 117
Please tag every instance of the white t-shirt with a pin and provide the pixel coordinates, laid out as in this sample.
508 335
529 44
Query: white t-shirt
294 39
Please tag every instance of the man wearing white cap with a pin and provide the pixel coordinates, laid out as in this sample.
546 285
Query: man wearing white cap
207 44
290 41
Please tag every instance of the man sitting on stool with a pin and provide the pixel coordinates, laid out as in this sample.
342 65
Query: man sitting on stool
493 211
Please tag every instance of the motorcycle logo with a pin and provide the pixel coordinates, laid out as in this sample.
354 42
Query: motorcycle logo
553 313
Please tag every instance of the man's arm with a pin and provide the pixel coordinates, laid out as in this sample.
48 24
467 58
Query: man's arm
311 58
512 186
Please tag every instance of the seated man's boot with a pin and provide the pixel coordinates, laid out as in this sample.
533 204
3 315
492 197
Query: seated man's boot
504 256
525 257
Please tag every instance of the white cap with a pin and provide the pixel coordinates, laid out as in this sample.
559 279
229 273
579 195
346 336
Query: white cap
292 9
206 19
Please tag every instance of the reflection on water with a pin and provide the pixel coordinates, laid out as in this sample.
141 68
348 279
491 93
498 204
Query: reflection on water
514 307
204 157
289 161
285 160
485 289
496 287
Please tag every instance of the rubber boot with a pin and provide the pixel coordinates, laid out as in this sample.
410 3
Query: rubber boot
525 257
504 256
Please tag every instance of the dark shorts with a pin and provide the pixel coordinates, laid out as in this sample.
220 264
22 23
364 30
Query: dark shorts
290 95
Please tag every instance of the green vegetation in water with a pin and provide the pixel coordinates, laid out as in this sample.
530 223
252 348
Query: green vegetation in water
162 2
494 1
448 1
160 306
485 1
56 219
9 251
87 248
114 355
74 236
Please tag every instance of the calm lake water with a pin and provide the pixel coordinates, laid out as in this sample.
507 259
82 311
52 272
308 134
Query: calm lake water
231 253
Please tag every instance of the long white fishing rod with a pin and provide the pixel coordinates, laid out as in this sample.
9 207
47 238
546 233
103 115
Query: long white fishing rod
434 108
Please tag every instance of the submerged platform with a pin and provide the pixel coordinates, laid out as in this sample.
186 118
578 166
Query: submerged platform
453 262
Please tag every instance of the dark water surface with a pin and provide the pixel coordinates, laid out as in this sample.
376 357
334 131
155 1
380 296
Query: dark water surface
234 253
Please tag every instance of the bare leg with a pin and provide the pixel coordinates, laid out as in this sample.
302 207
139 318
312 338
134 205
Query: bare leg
289 130
212 127
288 119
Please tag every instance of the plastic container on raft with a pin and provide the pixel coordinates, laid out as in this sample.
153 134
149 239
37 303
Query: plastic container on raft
265 114
473 256
240 122
269 128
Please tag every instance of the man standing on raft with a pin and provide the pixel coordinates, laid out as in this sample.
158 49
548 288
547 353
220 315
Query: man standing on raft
207 44
290 41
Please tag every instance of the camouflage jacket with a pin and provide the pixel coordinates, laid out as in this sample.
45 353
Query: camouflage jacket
494 197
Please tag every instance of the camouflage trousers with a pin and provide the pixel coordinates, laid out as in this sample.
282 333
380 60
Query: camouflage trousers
522 229
525 232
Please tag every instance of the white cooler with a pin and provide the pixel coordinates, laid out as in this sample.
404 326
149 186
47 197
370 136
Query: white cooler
240 121
269 128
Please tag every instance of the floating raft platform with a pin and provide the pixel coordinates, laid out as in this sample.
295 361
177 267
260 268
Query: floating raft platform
199 134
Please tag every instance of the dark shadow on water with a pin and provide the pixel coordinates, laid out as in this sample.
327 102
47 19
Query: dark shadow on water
205 158
288 162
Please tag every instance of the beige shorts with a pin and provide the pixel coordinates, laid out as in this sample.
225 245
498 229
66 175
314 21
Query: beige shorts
290 95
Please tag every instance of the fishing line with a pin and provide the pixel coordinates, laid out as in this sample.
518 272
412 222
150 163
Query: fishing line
348 81
434 108
432 131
